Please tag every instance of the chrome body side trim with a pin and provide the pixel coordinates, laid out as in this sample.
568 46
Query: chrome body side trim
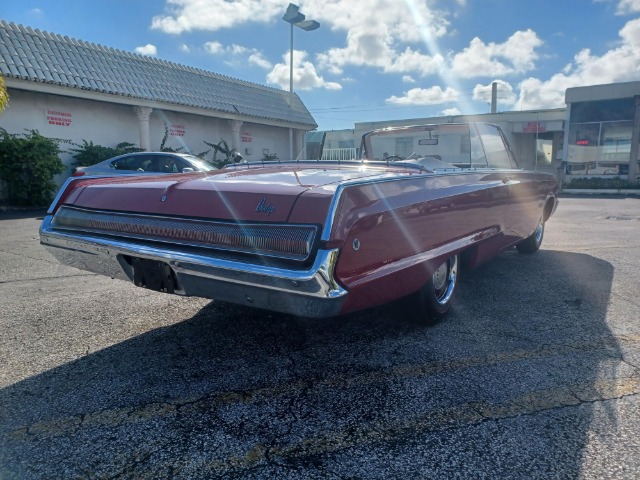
310 292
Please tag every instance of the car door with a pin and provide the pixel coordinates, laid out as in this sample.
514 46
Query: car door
524 206
487 153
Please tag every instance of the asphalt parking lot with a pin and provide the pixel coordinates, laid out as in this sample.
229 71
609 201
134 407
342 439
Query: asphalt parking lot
535 374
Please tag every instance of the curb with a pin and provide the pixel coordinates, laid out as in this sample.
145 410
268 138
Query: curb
11 213
602 191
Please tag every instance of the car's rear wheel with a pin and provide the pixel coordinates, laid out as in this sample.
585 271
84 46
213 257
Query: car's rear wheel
532 243
434 300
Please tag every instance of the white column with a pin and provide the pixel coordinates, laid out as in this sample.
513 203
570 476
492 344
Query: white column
290 144
236 125
143 114
298 143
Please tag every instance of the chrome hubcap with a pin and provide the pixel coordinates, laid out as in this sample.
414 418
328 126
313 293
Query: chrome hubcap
539 230
444 280
440 276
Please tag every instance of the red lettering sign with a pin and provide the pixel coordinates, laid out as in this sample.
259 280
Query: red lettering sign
55 117
177 130
534 127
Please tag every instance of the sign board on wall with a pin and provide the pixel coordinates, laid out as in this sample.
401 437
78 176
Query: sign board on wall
538 126
535 127
246 137
57 117
177 130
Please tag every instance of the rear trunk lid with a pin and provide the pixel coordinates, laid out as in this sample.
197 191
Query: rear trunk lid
245 193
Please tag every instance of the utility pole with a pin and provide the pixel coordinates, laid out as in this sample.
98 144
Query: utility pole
494 97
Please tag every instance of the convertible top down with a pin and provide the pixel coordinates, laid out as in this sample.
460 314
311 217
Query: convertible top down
313 238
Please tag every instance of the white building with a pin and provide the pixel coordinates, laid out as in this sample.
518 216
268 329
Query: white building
603 130
597 135
74 90
535 135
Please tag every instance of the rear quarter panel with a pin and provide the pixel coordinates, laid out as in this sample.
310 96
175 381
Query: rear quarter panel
394 234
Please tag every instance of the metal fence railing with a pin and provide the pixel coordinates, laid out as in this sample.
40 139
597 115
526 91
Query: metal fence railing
339 154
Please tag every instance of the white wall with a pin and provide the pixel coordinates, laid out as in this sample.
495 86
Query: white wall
108 124
262 137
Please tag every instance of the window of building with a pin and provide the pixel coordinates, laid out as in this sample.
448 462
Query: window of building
599 148
603 110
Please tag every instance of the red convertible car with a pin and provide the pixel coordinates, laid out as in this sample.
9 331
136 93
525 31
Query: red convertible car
313 238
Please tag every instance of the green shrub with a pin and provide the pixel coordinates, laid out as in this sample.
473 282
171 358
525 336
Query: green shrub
598 183
222 154
89 153
4 96
28 163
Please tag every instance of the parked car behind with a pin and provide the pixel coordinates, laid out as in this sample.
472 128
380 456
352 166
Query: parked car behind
147 163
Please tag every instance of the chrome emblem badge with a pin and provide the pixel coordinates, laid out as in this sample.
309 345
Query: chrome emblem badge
264 207
164 198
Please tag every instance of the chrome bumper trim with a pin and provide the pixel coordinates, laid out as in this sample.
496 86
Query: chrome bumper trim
312 292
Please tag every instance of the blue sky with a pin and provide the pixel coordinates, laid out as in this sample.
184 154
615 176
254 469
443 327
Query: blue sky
373 60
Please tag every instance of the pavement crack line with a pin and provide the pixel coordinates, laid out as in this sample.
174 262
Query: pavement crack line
448 418
299 387
47 278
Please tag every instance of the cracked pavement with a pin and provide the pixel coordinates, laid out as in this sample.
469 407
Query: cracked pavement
535 374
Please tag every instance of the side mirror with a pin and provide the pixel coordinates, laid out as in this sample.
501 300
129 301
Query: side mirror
187 170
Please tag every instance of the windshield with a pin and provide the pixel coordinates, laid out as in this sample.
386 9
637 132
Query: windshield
199 163
450 143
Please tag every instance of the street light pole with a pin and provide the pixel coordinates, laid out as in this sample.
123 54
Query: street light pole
291 61
294 17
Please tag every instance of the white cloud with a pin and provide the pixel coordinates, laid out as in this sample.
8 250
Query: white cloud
185 48
451 111
305 76
414 61
258 59
374 28
626 7
213 47
408 79
236 52
373 40
620 64
211 15
505 93
148 49
405 21
479 59
363 48
374 32
237 49
426 96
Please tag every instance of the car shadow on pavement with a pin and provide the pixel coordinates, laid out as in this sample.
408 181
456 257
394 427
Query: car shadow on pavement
506 387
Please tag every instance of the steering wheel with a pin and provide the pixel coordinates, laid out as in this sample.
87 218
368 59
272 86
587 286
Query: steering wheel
392 158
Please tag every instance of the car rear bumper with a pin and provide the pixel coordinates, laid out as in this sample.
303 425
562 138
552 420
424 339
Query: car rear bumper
311 292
